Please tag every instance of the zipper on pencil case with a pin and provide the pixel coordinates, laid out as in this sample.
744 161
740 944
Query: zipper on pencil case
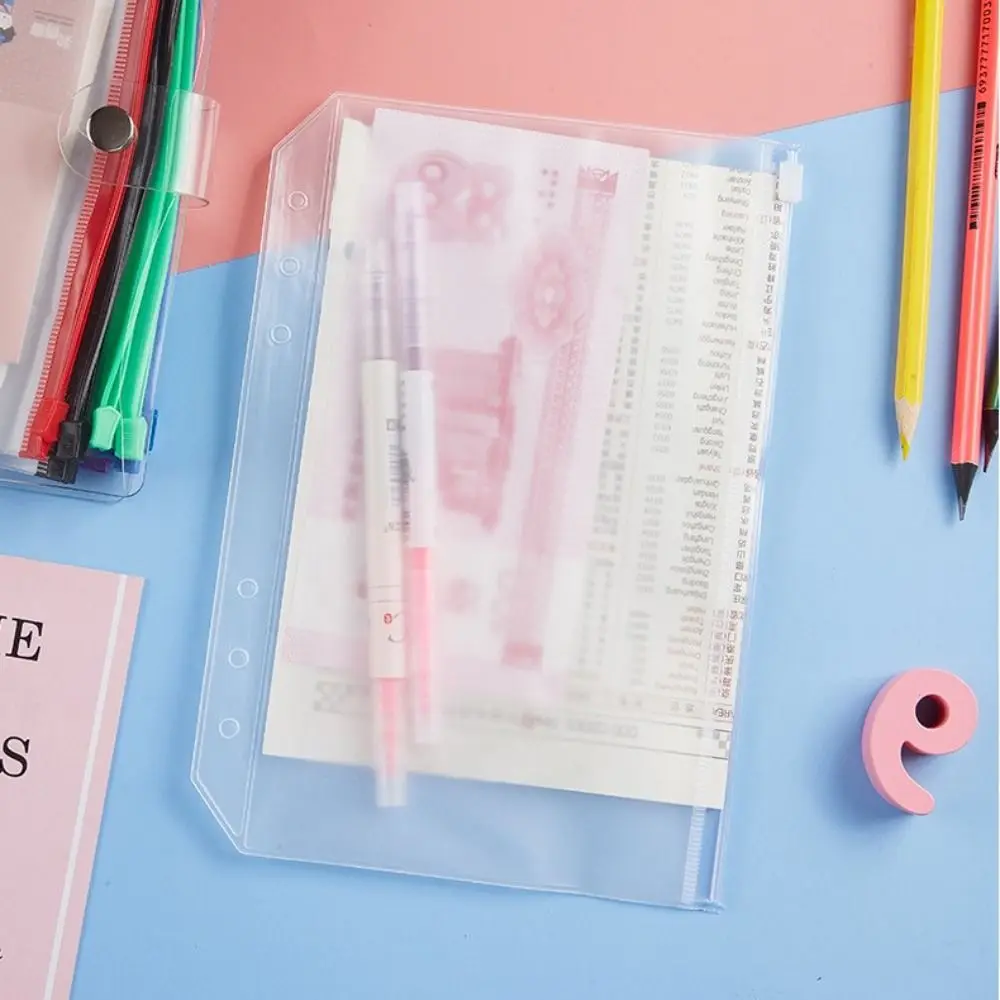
93 231
96 225
63 463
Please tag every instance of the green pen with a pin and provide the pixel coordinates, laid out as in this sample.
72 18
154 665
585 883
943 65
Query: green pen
117 422
131 444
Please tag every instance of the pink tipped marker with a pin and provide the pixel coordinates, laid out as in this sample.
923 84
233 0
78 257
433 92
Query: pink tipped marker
383 537
420 448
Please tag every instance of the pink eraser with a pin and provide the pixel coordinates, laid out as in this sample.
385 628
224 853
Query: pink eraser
927 711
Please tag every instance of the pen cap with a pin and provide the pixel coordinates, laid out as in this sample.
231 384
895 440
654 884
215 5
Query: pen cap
376 293
409 214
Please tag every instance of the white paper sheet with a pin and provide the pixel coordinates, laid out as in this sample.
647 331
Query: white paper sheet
642 620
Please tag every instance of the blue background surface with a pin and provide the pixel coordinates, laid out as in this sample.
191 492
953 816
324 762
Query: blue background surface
863 572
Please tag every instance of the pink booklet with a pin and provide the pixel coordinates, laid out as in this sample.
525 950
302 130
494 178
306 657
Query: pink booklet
65 641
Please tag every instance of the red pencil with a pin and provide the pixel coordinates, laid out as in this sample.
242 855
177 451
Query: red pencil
970 377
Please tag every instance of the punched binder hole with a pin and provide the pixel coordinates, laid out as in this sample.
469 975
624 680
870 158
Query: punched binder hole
931 711
280 334
228 728
238 658
298 200
290 266
247 588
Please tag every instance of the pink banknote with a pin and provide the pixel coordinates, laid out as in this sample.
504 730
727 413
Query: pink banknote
531 241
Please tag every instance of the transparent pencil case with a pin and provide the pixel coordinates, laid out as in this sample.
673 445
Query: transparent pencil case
495 498
107 104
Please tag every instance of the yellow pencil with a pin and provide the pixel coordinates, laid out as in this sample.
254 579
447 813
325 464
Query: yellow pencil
918 235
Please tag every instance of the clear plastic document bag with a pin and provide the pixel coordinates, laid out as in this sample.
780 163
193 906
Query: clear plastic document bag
496 497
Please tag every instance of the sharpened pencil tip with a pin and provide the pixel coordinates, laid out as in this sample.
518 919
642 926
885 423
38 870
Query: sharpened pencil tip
964 474
907 414
991 431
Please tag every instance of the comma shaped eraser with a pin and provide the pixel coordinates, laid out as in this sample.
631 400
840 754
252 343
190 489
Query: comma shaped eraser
927 711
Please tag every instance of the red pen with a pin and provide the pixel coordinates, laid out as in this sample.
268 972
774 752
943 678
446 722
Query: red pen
970 377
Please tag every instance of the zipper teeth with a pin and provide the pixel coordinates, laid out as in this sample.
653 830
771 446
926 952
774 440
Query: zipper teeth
94 185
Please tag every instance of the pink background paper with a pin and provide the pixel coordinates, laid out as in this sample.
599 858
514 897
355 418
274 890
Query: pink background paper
735 68
67 704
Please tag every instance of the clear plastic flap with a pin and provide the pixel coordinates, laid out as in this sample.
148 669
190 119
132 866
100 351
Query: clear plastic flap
495 499
98 138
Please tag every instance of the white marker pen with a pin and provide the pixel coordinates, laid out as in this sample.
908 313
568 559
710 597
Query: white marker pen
383 534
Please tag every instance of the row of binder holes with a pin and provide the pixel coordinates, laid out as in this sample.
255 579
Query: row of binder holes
289 267
247 588
238 658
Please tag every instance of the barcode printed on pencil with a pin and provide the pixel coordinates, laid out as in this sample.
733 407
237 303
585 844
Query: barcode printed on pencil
397 473
978 156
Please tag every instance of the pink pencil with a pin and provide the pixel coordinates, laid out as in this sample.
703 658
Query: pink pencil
973 332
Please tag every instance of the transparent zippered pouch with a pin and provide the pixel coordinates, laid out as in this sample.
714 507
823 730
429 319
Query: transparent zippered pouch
496 495
112 142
